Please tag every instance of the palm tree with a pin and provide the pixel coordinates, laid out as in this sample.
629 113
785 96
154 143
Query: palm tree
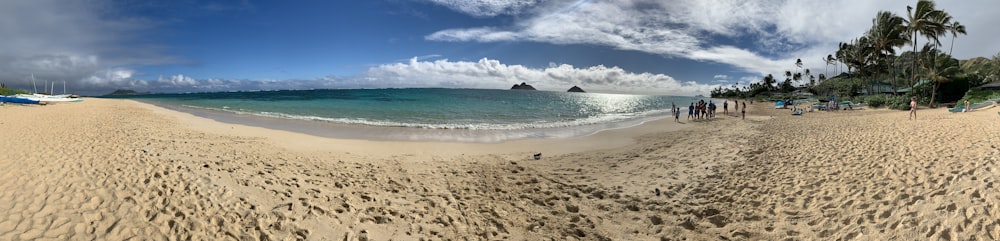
955 28
788 76
943 70
842 55
857 55
924 19
830 60
798 64
769 81
886 34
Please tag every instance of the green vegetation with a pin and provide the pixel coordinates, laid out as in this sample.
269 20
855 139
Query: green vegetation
976 95
895 102
6 91
878 76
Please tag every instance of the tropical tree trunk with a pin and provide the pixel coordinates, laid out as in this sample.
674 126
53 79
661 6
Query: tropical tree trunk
933 93
913 70
952 45
892 75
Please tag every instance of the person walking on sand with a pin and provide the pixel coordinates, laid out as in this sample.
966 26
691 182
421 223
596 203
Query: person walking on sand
966 106
677 114
913 108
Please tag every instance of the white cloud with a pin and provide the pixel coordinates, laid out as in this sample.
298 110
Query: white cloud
721 78
73 41
747 80
492 74
487 8
416 73
781 31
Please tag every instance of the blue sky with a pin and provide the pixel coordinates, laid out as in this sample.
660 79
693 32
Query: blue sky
625 46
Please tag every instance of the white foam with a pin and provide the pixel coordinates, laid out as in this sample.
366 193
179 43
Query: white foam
595 120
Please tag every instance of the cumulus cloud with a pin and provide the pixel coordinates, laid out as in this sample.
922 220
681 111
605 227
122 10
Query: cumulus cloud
781 31
416 73
492 74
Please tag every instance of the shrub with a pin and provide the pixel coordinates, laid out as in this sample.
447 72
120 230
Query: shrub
5 91
893 102
977 95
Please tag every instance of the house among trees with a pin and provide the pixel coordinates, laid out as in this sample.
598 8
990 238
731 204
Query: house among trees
995 85
802 92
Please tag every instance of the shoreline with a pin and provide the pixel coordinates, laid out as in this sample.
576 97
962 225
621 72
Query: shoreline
411 134
604 139
119 169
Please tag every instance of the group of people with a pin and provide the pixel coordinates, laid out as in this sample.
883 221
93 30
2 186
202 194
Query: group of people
736 106
706 110
701 110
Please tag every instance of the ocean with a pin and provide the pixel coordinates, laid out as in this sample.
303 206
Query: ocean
466 115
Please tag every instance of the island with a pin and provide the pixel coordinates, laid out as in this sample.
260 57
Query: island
576 89
126 92
522 86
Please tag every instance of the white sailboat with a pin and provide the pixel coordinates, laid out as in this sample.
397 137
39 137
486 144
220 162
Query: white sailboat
47 98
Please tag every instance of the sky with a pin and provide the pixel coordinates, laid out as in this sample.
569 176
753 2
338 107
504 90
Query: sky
660 47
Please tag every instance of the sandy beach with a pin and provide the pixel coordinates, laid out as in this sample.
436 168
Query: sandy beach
118 169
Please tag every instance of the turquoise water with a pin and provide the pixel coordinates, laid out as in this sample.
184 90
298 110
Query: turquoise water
438 109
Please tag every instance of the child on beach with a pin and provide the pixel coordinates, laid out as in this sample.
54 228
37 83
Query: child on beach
677 114
913 108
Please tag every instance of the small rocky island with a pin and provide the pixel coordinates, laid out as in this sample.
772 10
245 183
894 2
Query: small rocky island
126 92
522 86
576 89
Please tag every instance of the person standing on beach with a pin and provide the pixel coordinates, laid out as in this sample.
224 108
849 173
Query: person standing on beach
913 108
744 111
966 106
711 109
725 107
690 110
677 114
736 106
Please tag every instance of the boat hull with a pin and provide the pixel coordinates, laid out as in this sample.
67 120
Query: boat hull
16 100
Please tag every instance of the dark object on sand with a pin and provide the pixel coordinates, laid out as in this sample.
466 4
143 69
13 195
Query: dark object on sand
538 156
657 192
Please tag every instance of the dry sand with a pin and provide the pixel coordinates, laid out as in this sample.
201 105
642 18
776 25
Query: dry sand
118 169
